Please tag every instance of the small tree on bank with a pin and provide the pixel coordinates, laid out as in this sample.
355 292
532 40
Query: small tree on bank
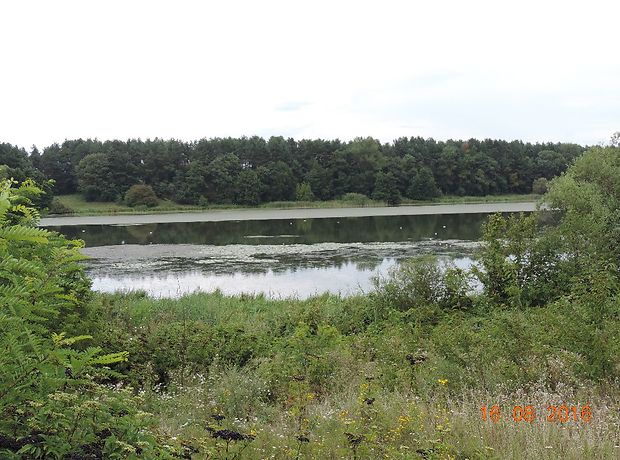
141 195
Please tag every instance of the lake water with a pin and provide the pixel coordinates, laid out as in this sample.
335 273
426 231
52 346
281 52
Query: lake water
278 258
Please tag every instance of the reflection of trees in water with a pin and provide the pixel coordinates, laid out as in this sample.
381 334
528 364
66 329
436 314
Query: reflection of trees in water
143 234
303 226
309 231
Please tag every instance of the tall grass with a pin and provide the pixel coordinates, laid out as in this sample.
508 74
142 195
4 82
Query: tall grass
398 424
331 377
79 206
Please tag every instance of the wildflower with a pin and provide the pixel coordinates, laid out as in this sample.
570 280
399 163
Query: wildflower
443 382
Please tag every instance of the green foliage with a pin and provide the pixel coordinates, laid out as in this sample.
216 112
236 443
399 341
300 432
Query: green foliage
356 199
386 189
249 188
303 192
51 404
587 198
106 176
58 207
540 186
96 178
278 181
423 289
185 171
221 178
141 195
190 183
401 372
423 186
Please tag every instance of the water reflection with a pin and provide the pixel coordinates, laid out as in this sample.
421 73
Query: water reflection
304 231
276 258
345 279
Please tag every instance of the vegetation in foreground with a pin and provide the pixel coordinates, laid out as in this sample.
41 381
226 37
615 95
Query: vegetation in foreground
401 373
76 205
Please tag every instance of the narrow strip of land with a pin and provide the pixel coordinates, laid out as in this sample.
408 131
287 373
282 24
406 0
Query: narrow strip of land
269 214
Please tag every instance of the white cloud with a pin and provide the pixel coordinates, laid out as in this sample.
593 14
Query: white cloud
190 69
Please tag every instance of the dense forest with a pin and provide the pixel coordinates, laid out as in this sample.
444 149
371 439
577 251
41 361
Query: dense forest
423 367
252 170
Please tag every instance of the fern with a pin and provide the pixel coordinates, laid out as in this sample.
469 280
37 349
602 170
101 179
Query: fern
60 340
13 292
21 233
47 385
21 266
110 358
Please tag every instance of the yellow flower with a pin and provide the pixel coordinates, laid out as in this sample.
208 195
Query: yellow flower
442 381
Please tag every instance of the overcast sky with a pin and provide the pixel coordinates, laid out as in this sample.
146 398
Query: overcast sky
531 70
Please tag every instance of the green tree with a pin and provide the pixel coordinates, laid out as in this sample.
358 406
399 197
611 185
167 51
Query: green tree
278 180
386 189
303 192
423 186
549 164
96 178
540 186
222 178
249 188
141 195
17 163
318 178
190 183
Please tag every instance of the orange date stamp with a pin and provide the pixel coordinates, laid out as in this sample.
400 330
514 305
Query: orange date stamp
553 414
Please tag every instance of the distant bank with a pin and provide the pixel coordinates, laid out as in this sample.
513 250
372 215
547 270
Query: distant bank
270 214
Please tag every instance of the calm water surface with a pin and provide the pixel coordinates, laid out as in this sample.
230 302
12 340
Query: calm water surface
277 258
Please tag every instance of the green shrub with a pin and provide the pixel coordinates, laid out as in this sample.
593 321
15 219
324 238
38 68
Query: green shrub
303 192
540 186
53 403
58 207
203 202
424 289
141 195
357 199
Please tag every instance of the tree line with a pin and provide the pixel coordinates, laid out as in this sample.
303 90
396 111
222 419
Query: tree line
253 170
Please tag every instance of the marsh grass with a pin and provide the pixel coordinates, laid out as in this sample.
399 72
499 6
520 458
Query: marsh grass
79 206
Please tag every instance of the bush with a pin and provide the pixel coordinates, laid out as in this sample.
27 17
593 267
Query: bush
303 192
357 199
141 195
58 207
53 403
540 186
203 202
423 288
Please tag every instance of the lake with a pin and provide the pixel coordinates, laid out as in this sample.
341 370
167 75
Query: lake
278 258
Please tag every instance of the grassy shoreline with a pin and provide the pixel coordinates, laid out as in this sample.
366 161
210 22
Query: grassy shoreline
331 377
81 207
